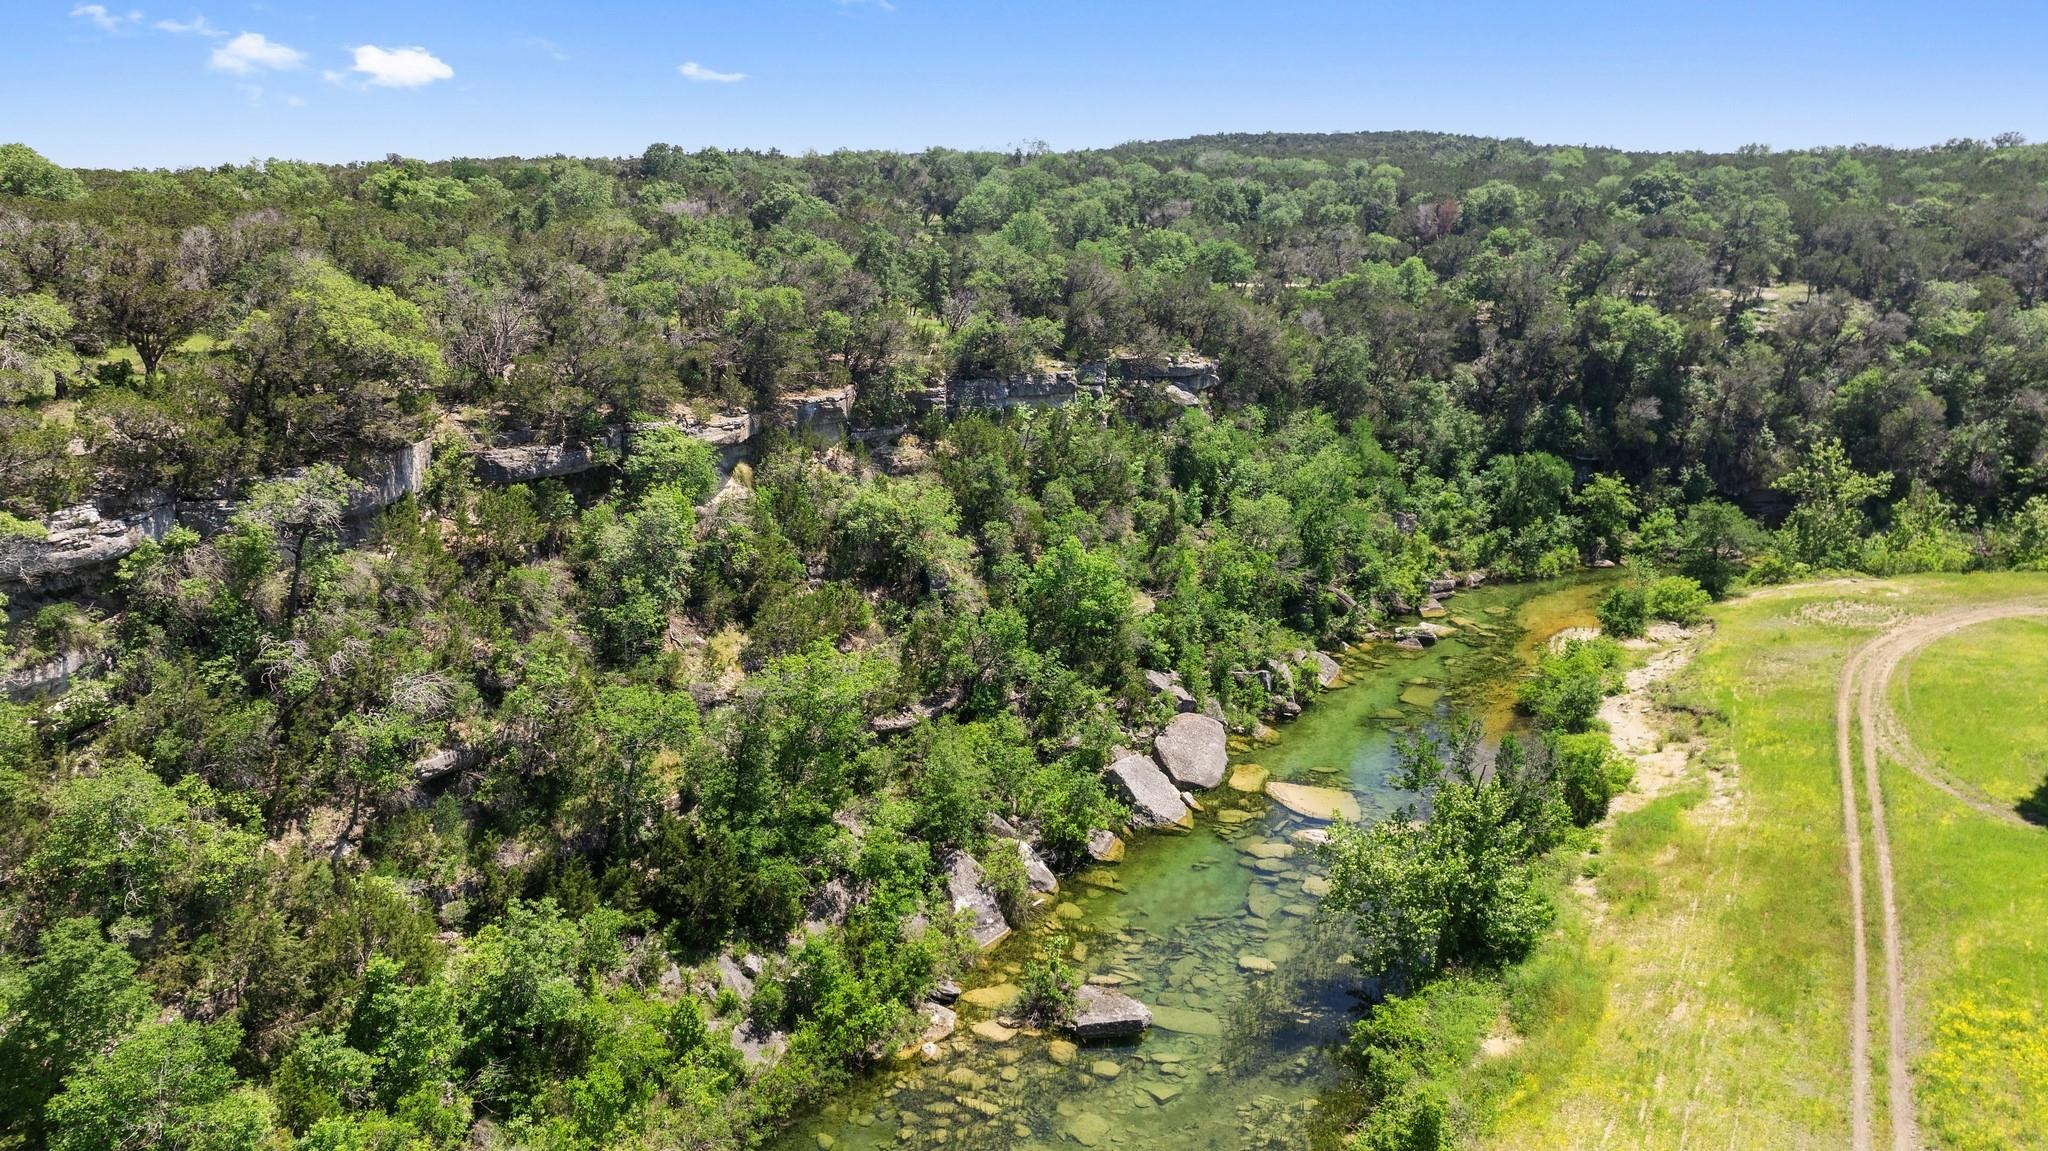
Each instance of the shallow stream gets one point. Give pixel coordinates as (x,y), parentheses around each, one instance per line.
(1215,930)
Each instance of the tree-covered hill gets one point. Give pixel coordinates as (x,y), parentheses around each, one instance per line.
(430,827)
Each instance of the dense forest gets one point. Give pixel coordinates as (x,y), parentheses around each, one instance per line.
(450,824)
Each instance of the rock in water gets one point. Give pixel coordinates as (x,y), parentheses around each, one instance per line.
(1327,669)
(1087,1128)
(1315,802)
(970,893)
(1105,846)
(1155,802)
(1187,1021)
(1194,750)
(1101,1013)
(1248,777)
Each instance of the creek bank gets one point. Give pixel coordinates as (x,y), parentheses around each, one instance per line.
(1212,930)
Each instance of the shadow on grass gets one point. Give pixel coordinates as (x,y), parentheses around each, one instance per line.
(2034,808)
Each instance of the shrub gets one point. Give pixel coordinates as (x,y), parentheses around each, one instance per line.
(1049,984)
(1622,611)
(1565,693)
(1588,772)
(1679,599)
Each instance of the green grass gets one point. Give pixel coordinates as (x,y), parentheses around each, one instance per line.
(1720,910)
(1977,704)
(1974,892)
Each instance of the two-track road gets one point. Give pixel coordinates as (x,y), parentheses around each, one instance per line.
(1862,701)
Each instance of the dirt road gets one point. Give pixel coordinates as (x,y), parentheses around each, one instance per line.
(1864,687)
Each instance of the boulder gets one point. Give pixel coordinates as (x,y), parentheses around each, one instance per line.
(732,978)
(1325,803)
(940,1021)
(1102,1013)
(970,892)
(1168,683)
(1037,873)
(1155,802)
(1195,750)
(1327,669)
(1105,846)
(1248,777)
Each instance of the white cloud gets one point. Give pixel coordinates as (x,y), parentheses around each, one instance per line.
(196,26)
(251,52)
(884,5)
(703,75)
(295,101)
(400,67)
(106,21)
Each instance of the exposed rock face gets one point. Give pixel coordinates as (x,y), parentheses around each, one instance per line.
(939,1022)
(81,543)
(1194,750)
(965,883)
(1155,801)
(522,463)
(1101,1013)
(825,414)
(1050,389)
(51,676)
(1189,373)
(391,477)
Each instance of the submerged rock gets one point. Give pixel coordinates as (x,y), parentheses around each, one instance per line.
(1155,802)
(1101,1013)
(1194,750)
(1186,1021)
(1324,803)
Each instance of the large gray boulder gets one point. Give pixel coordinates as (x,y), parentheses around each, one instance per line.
(1103,1013)
(1155,801)
(1037,873)
(970,892)
(1195,750)
(1327,669)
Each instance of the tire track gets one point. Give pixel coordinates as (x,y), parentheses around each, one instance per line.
(1864,684)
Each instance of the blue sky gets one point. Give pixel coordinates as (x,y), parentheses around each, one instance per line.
(176,82)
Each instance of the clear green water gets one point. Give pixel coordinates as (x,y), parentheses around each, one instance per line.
(1238,1058)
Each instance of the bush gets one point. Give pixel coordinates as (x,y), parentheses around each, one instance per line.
(1049,985)
(1622,611)
(1588,772)
(1564,694)
(1679,599)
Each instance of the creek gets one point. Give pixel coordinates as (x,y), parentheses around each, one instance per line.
(1216,930)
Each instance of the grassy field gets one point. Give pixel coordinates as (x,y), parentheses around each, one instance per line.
(1718,910)
(1973,890)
